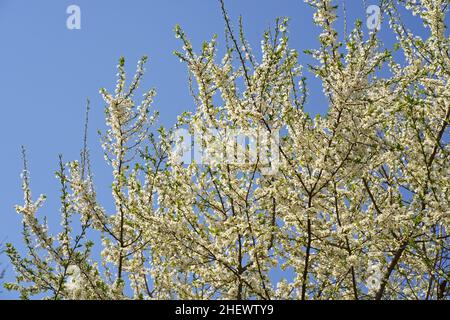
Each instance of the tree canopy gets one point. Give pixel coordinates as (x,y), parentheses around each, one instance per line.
(353,204)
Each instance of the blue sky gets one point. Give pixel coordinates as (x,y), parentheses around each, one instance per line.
(48,71)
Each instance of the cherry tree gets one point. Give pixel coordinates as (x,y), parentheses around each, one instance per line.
(353,204)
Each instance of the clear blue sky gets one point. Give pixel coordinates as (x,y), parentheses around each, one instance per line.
(48,71)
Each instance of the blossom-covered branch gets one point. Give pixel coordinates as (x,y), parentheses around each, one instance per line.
(353,204)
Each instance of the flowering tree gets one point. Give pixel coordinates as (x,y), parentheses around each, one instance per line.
(350,205)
